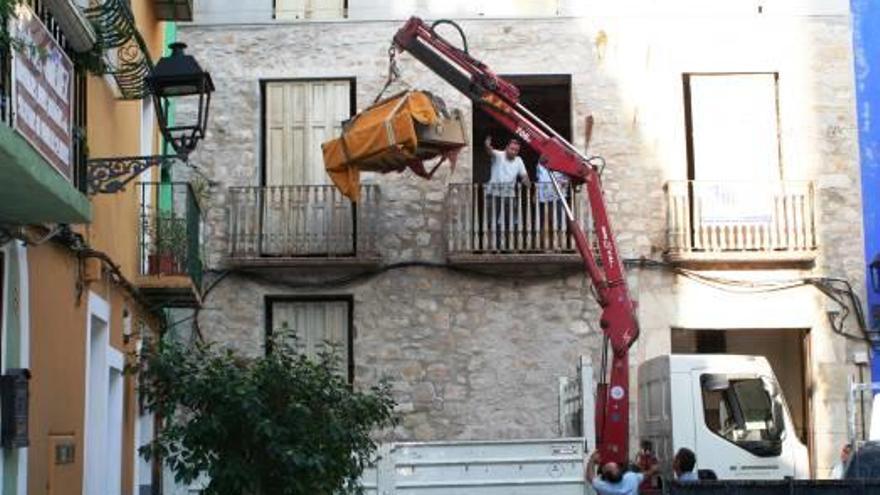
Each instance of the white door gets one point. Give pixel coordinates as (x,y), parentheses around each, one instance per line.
(735,142)
(303,213)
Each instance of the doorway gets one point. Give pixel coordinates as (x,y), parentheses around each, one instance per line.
(787,351)
(546,96)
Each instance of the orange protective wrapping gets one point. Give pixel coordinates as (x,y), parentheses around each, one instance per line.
(382,138)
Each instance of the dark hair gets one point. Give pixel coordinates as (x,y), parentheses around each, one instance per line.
(686,459)
(646,445)
(514,141)
(614,477)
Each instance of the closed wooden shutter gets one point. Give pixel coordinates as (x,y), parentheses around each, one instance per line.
(312,217)
(315,323)
(288,10)
(300,116)
(326,9)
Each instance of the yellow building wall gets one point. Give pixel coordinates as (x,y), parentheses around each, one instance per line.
(59,293)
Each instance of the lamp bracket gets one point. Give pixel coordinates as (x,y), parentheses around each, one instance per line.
(110,175)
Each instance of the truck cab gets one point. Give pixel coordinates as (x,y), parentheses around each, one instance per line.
(728,409)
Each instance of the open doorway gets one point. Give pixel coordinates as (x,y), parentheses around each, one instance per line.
(787,351)
(547,96)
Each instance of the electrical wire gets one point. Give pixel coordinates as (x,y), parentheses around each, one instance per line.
(838,290)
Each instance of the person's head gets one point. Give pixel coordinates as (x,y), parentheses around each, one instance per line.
(684,462)
(646,446)
(512,149)
(846,452)
(611,472)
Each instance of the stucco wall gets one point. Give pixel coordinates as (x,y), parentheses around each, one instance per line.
(478,357)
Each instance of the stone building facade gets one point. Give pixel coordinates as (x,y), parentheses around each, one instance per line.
(474,343)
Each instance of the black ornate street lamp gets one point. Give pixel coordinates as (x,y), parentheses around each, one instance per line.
(176,78)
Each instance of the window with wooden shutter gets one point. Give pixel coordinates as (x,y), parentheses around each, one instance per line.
(316,324)
(300,115)
(291,10)
(307,216)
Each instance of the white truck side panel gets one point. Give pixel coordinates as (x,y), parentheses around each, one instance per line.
(655,420)
(518,467)
(684,407)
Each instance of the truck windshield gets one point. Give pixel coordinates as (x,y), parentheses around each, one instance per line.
(744,411)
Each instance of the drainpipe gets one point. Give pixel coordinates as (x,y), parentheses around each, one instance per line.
(165,193)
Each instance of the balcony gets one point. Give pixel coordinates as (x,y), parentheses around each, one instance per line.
(740,222)
(174,10)
(170,262)
(527,227)
(306,226)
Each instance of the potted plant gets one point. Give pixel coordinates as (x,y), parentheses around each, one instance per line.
(168,244)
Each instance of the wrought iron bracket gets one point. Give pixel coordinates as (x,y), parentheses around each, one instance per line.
(109,175)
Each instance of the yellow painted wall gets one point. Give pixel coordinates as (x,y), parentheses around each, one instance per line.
(59,294)
(114,129)
(58,360)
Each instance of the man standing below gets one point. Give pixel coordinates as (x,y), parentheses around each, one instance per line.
(613,480)
(683,465)
(506,168)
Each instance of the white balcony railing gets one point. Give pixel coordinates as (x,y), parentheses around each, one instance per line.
(301,221)
(517,219)
(760,220)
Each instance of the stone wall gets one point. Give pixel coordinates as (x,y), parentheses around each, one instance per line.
(475,356)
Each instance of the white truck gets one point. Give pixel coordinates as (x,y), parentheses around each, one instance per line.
(728,409)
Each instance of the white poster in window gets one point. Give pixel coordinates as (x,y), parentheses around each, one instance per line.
(734,203)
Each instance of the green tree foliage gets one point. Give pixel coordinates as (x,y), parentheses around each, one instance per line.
(275,425)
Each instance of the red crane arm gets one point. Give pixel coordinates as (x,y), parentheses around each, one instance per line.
(500,99)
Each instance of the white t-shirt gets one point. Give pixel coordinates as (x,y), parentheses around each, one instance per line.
(504,172)
(546,191)
(688,476)
(628,485)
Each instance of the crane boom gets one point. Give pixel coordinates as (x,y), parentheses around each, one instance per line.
(500,100)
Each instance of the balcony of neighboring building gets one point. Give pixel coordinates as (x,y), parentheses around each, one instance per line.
(741,222)
(170,243)
(174,10)
(301,226)
(41,149)
(512,224)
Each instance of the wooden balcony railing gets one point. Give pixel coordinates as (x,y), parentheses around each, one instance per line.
(730,221)
(515,219)
(309,221)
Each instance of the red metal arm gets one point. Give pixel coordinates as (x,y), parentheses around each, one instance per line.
(500,99)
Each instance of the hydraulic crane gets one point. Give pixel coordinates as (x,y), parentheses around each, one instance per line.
(500,100)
